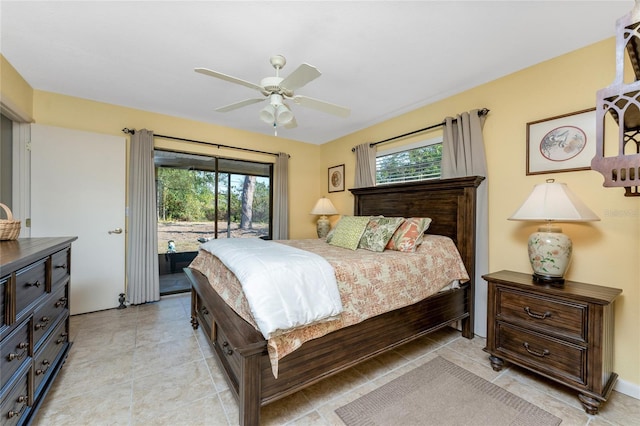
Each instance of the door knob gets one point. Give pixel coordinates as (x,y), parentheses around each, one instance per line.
(116,231)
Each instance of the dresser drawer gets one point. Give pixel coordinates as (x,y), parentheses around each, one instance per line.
(30,285)
(60,267)
(48,313)
(547,355)
(47,356)
(554,316)
(15,404)
(14,350)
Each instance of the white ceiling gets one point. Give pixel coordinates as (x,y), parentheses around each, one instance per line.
(380,58)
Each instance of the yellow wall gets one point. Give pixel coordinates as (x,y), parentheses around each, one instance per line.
(605,252)
(64,111)
(15,93)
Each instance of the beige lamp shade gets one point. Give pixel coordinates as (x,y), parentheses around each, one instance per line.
(323,207)
(552,201)
(549,249)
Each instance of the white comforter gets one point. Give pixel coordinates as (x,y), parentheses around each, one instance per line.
(285,287)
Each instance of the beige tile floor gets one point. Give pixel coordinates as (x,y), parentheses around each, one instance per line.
(145,365)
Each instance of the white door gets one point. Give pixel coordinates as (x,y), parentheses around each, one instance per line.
(78,189)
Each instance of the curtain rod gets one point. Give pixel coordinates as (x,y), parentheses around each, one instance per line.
(483,111)
(217,145)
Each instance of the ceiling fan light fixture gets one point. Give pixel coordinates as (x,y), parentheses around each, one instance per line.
(283,115)
(268,114)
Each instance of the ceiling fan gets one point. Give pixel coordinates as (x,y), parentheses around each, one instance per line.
(278,90)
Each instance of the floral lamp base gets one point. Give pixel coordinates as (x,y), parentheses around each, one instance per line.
(549,254)
(323,226)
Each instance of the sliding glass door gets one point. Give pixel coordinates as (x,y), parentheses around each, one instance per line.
(202,198)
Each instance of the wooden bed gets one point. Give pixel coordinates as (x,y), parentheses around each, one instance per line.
(241,350)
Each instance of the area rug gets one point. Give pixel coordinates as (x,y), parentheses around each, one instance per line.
(441,393)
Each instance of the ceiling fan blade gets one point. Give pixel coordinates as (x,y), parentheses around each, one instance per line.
(228,78)
(299,77)
(323,106)
(237,105)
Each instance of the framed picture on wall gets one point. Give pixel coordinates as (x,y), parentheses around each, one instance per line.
(336,178)
(564,143)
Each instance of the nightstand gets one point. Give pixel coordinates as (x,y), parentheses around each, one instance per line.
(563,333)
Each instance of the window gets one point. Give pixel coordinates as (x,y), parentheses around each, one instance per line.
(201,198)
(418,161)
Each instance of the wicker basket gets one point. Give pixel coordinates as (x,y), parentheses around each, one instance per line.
(9,228)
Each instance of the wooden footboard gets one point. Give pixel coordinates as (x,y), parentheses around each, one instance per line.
(242,351)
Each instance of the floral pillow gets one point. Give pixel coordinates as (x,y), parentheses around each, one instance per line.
(409,234)
(348,231)
(378,232)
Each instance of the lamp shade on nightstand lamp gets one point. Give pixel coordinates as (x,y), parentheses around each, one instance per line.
(323,208)
(550,249)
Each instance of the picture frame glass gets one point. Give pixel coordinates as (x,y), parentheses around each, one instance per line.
(562,143)
(336,178)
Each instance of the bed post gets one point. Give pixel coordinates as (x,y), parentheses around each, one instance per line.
(467,229)
(249,390)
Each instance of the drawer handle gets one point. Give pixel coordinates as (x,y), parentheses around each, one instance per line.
(61,302)
(537,316)
(40,371)
(37,284)
(21,345)
(63,337)
(43,323)
(204,311)
(22,399)
(229,351)
(542,354)
(63,266)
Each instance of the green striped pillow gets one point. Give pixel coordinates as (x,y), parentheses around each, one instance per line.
(348,231)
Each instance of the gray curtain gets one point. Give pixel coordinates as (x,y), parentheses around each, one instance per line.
(365,165)
(143,283)
(281,197)
(463,154)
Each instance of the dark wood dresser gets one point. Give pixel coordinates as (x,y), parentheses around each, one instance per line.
(563,333)
(34,322)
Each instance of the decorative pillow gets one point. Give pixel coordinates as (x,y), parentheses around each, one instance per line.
(331,231)
(408,236)
(330,235)
(348,231)
(378,232)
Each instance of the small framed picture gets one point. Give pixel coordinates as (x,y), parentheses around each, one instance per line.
(336,178)
(564,143)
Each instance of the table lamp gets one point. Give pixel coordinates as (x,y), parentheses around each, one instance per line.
(323,208)
(550,249)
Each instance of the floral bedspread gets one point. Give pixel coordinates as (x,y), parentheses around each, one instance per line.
(370,283)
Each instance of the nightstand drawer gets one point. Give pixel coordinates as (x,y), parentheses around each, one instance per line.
(554,316)
(547,355)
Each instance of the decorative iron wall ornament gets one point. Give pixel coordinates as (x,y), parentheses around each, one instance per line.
(621,101)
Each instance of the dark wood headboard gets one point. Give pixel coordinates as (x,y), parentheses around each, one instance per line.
(450,203)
